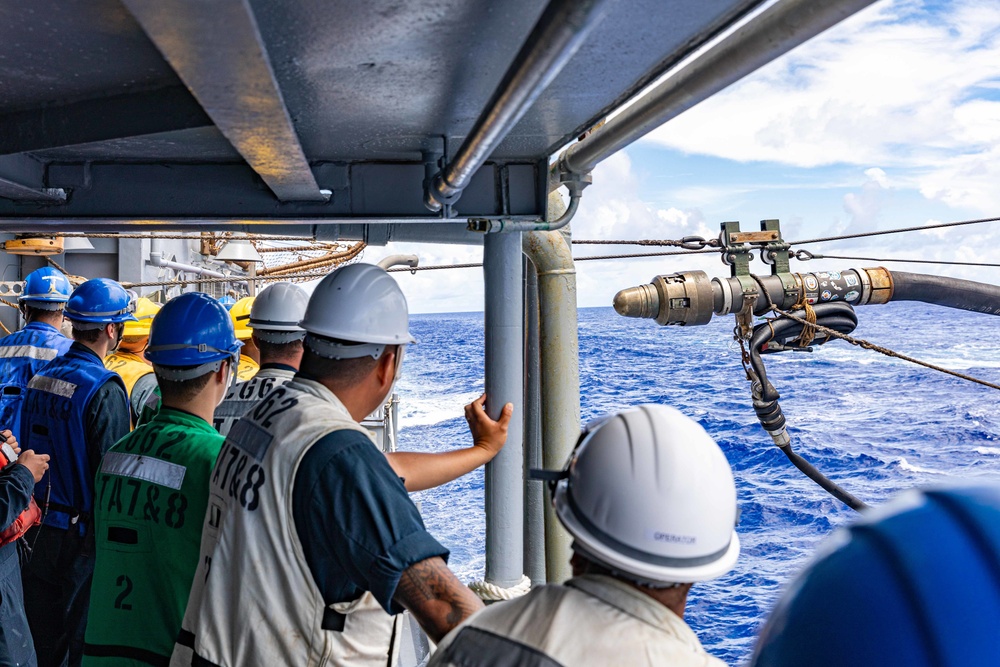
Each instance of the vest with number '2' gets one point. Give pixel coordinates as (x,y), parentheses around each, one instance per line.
(149,503)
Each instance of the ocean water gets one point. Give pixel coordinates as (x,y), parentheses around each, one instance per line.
(873,424)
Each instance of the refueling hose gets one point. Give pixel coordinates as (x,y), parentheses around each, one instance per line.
(942,291)
(773,336)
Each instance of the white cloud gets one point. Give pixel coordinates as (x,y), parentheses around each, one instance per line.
(898,85)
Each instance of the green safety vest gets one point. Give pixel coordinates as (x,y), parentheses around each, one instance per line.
(150,497)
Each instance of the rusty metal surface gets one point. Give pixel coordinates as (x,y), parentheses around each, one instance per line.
(881,285)
(219,54)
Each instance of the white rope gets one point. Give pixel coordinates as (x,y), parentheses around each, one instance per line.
(493,593)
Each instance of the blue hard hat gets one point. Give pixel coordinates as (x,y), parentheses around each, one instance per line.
(46,286)
(194,332)
(100,301)
(916,582)
(227,301)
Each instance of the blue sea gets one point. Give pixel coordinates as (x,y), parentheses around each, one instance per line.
(875,425)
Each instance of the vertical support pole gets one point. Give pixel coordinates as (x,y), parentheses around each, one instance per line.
(505,384)
(534,492)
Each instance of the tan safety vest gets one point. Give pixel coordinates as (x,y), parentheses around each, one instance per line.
(254,601)
(590,621)
(244,395)
(129,365)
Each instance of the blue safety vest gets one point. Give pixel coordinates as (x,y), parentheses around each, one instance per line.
(53,422)
(22,354)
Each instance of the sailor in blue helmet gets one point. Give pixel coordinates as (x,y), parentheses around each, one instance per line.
(24,352)
(915,582)
(166,463)
(227,301)
(74,409)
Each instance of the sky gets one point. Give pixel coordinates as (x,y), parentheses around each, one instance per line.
(890,119)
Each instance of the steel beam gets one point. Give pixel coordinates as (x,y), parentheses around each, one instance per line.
(389,191)
(102,119)
(217,50)
(557,35)
(22,180)
(504,384)
(770,34)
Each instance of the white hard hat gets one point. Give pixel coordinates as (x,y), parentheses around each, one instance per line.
(648,494)
(359,304)
(277,311)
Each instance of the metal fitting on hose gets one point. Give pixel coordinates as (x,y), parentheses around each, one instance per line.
(679,298)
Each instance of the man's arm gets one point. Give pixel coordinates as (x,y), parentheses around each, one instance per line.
(435,597)
(426,470)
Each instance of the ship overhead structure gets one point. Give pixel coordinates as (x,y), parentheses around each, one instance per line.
(364,123)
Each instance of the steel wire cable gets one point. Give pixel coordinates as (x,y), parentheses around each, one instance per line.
(804,256)
(900,230)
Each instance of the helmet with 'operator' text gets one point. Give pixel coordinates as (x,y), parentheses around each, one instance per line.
(359,304)
(192,335)
(914,582)
(240,315)
(277,311)
(46,289)
(650,496)
(98,302)
(145,310)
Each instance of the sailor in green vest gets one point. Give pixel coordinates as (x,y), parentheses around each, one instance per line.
(152,489)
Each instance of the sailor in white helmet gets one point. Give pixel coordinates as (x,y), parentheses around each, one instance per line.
(650,501)
(274,319)
(311,546)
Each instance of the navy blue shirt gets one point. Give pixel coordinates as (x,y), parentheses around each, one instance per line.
(358,527)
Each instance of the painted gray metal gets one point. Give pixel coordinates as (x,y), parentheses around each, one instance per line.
(371,83)
(218,52)
(504,307)
(534,491)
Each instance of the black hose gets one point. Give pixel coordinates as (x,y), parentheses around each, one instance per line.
(828,485)
(836,315)
(942,291)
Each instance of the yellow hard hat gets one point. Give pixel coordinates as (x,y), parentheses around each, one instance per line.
(145,310)
(240,312)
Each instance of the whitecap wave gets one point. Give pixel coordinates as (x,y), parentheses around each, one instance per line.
(987,451)
(906,465)
(416,410)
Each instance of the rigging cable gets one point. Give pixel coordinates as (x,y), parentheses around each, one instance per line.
(805,255)
(895,231)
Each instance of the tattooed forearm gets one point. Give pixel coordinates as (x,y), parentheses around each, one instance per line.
(435,597)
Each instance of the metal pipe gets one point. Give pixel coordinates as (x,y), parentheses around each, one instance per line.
(557,35)
(552,257)
(255,225)
(504,384)
(399,260)
(521,226)
(156,259)
(534,494)
(773,32)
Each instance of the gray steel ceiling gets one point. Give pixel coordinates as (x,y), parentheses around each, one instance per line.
(363,80)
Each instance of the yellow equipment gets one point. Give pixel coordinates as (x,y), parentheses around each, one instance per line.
(240,312)
(145,310)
